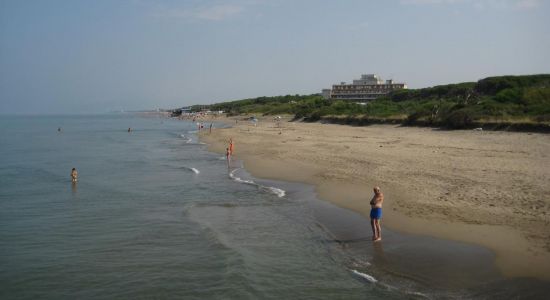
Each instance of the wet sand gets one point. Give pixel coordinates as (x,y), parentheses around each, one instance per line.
(417,266)
(487,188)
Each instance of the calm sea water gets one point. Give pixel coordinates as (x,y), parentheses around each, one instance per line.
(155,215)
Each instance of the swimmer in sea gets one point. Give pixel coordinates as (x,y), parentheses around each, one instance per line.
(376,214)
(74,175)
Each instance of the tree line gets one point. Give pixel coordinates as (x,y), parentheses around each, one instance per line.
(502,99)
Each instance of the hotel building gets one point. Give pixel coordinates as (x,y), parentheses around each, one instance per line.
(368,87)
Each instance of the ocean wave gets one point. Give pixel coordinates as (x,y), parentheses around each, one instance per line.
(188,207)
(238,179)
(388,287)
(418,295)
(360,263)
(364,276)
(188,140)
(277,191)
(194,170)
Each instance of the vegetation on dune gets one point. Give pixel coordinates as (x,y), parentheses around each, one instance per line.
(503,99)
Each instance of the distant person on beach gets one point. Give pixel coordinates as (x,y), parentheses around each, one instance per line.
(228,156)
(376,214)
(231,146)
(210,128)
(129,129)
(74,175)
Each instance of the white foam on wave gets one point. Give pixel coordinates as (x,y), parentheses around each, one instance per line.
(418,294)
(360,264)
(238,179)
(371,279)
(194,170)
(364,276)
(187,139)
(277,191)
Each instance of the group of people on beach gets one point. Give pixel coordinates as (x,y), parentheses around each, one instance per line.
(200,126)
(375,202)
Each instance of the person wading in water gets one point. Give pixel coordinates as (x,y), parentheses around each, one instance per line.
(376,214)
(74,175)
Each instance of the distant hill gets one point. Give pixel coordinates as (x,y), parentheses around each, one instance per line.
(519,102)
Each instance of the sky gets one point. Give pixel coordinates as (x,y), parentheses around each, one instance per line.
(62,57)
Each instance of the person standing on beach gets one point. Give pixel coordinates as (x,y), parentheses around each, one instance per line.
(231,146)
(376,214)
(228,156)
(210,128)
(74,175)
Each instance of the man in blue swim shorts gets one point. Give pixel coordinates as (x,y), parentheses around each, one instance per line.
(376,214)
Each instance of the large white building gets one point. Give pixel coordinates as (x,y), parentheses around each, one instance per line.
(368,87)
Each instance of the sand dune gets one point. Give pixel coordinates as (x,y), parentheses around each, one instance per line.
(489,188)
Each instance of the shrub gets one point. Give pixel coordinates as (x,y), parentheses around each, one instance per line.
(414,117)
(493,85)
(536,96)
(458,119)
(509,95)
(543,118)
(452,105)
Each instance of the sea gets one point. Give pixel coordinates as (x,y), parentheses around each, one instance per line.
(155,215)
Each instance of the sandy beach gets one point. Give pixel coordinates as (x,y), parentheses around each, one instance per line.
(480,187)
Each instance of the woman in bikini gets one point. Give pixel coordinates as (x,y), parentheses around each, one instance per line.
(74,175)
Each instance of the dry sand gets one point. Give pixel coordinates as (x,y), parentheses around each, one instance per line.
(487,188)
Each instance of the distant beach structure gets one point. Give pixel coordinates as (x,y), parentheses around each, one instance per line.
(368,87)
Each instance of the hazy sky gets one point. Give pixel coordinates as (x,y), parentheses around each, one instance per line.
(96,56)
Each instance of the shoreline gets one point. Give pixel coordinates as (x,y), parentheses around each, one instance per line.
(344,170)
(420,264)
